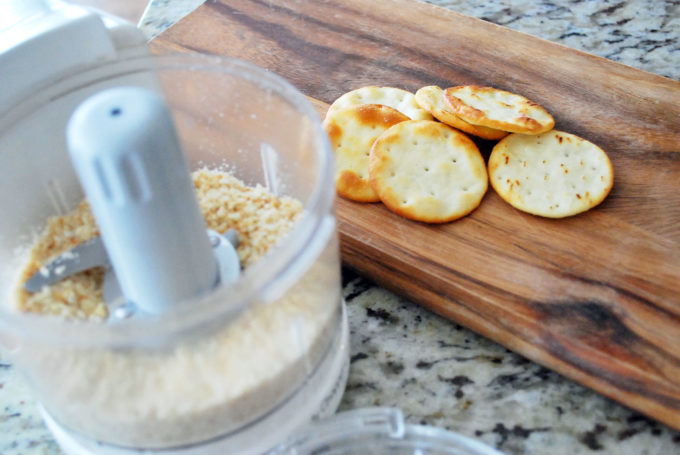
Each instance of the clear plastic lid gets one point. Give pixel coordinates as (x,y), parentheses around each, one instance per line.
(377,431)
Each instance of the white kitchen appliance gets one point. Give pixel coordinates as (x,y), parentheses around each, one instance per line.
(224,361)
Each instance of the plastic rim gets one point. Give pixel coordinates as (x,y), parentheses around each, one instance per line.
(378,431)
(260,280)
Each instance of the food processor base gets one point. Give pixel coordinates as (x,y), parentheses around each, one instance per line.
(318,397)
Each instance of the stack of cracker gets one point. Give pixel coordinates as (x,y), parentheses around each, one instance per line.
(412,152)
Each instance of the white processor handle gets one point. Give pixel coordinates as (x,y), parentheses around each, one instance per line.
(125,150)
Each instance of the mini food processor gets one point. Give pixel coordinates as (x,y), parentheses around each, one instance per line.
(197,351)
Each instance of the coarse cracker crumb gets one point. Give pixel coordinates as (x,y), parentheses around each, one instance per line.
(202,383)
(260,218)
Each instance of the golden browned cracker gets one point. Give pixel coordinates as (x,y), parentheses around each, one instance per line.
(427,171)
(494,108)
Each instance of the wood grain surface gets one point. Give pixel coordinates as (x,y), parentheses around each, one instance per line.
(595,297)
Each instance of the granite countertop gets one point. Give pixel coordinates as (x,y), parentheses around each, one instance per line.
(437,372)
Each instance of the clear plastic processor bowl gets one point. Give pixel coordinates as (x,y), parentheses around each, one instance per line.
(215,366)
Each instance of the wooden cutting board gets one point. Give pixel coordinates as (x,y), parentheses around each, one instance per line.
(595,297)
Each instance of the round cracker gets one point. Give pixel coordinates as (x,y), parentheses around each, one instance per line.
(427,171)
(352,131)
(554,174)
(494,108)
(399,99)
(432,98)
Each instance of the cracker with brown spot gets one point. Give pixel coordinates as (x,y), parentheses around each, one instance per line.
(494,108)
(554,174)
(427,171)
(352,131)
(401,100)
(432,98)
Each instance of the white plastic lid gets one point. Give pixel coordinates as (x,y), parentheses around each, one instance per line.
(378,431)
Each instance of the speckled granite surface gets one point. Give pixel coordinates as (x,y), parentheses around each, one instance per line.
(437,372)
(440,373)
